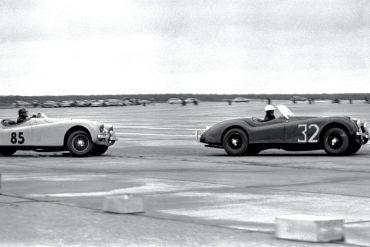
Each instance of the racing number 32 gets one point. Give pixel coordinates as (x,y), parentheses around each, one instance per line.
(304,136)
(14,139)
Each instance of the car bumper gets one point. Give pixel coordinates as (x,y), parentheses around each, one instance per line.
(363,134)
(107,138)
(198,135)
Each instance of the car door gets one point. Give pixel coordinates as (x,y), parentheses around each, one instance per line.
(269,132)
(302,130)
(47,133)
(16,135)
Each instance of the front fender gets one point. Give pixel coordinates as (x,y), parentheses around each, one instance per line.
(91,126)
(342,122)
(215,134)
(105,136)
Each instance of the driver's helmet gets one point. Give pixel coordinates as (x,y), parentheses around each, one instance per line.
(269,108)
(22,112)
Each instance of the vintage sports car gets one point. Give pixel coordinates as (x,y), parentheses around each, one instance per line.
(79,136)
(337,135)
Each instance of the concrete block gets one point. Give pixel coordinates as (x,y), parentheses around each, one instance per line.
(309,228)
(358,233)
(123,204)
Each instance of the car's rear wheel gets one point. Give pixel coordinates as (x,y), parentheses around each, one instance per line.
(99,150)
(79,143)
(336,141)
(7,151)
(235,142)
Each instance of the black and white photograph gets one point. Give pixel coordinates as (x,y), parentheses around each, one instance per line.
(185,123)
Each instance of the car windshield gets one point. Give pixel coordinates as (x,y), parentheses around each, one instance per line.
(41,115)
(285,111)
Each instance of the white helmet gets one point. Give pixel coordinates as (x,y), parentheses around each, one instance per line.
(269,108)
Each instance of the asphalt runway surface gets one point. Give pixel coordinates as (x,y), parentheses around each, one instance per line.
(193,195)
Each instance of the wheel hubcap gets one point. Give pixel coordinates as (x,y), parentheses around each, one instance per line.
(335,142)
(80,143)
(235,141)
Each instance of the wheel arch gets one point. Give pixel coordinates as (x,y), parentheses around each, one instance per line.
(72,129)
(332,125)
(234,127)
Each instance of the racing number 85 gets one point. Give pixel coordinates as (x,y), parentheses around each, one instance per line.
(14,139)
(306,127)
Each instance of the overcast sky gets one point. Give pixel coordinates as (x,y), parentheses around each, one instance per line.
(53,47)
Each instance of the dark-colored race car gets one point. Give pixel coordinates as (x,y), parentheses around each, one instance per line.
(337,135)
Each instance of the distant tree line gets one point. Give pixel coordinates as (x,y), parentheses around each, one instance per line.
(4,100)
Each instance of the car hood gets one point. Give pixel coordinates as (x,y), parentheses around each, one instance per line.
(54,120)
(58,120)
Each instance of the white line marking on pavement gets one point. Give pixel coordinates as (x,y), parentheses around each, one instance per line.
(48,177)
(150,128)
(148,187)
(153,134)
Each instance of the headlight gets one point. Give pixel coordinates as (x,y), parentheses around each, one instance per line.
(358,122)
(101,128)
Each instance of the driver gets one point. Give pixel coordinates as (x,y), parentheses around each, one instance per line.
(23,115)
(269,109)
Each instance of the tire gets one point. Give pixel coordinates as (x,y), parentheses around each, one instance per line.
(354,145)
(8,151)
(365,140)
(235,142)
(99,150)
(252,151)
(336,141)
(353,149)
(79,143)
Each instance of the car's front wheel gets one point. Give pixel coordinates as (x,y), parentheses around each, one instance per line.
(354,145)
(99,150)
(235,142)
(7,151)
(251,151)
(336,141)
(79,143)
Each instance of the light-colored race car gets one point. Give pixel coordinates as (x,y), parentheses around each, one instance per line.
(240,99)
(174,101)
(80,137)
